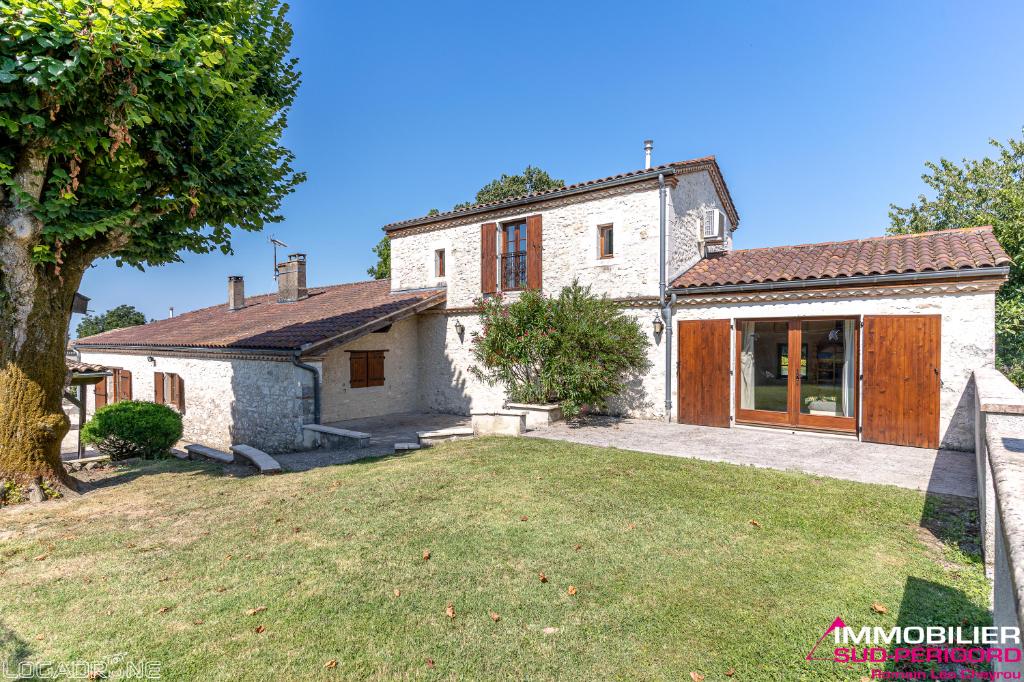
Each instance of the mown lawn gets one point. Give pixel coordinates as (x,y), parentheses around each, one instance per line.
(670,575)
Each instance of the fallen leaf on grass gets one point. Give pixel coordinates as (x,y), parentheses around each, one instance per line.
(426,554)
(86,580)
(253,612)
(221,589)
(397,593)
(165,609)
(164,579)
(296,529)
(523,519)
(450,611)
(538,478)
(878,608)
(572,590)
(696,677)
(430,662)
(730,672)
(197,622)
(131,544)
(228,556)
(330,664)
(543,578)
(278,520)
(41,557)
(494,617)
(752,522)
(631,526)
(259,629)
(40,637)
(579,547)
(337,483)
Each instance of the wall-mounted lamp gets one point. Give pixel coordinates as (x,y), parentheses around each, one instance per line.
(149,358)
(459,329)
(659,326)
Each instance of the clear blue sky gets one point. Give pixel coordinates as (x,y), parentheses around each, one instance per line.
(820,114)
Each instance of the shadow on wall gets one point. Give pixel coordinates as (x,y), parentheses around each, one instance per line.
(959,435)
(634,400)
(268,403)
(443,384)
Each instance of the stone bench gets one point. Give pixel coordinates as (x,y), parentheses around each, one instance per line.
(202,451)
(266,463)
(539,416)
(317,435)
(428,438)
(499,422)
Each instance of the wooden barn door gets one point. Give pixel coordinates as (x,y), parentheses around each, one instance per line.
(902,355)
(703,391)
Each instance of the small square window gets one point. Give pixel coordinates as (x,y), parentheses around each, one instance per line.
(439,263)
(607,241)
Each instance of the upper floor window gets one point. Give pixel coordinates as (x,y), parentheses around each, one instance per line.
(439,263)
(607,245)
(513,256)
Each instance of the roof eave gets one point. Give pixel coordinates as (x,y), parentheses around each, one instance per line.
(1002,272)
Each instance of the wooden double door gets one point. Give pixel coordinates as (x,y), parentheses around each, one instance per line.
(805,373)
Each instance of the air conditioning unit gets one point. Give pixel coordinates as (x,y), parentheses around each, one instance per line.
(715,225)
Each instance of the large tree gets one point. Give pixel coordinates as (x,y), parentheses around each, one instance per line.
(115,318)
(985,192)
(508,186)
(131,129)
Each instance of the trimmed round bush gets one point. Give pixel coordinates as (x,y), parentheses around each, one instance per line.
(131,428)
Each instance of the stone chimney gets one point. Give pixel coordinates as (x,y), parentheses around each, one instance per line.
(291,279)
(236,293)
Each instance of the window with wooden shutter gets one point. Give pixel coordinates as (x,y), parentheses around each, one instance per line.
(489,258)
(158,388)
(115,386)
(179,393)
(375,368)
(126,385)
(101,393)
(357,369)
(534,252)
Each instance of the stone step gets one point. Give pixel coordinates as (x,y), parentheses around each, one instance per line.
(428,438)
(266,463)
(330,437)
(179,454)
(404,447)
(203,451)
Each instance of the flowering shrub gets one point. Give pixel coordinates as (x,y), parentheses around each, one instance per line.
(574,349)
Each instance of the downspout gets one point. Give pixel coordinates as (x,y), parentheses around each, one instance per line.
(316,384)
(666,307)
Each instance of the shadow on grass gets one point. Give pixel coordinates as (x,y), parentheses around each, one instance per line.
(148,468)
(14,650)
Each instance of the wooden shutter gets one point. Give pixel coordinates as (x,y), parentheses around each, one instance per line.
(703,384)
(180,392)
(115,386)
(357,369)
(534,252)
(101,393)
(488,258)
(902,360)
(375,368)
(126,385)
(158,388)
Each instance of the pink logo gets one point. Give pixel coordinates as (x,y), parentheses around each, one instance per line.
(837,623)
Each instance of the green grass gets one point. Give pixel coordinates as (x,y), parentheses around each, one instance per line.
(671,576)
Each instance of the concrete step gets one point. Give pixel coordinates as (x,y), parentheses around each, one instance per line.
(330,437)
(179,454)
(203,451)
(428,438)
(404,447)
(266,463)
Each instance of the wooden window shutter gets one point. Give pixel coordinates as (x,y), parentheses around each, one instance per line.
(357,369)
(126,385)
(534,252)
(488,258)
(101,393)
(375,368)
(115,386)
(180,392)
(158,388)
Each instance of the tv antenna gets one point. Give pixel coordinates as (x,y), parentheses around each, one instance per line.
(276,243)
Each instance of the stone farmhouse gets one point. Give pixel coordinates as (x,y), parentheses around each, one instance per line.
(874,338)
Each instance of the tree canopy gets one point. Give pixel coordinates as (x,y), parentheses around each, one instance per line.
(115,318)
(132,129)
(508,186)
(985,192)
(382,269)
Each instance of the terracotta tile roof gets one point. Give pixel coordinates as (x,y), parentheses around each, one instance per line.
(266,325)
(974,247)
(710,160)
(84,367)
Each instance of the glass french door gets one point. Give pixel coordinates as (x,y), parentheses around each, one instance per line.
(797,372)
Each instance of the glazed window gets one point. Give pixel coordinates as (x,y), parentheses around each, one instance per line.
(439,263)
(513,256)
(607,245)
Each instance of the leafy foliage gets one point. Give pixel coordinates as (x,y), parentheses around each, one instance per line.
(116,318)
(986,192)
(382,269)
(161,121)
(576,349)
(508,186)
(130,428)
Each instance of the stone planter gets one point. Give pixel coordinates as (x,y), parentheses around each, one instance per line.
(539,416)
(499,423)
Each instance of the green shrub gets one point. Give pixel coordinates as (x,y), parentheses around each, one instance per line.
(575,349)
(133,429)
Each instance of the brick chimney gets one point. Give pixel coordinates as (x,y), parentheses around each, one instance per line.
(236,293)
(291,279)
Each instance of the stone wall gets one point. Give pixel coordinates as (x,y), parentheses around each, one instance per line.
(400,392)
(227,401)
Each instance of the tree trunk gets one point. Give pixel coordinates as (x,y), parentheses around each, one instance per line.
(36,310)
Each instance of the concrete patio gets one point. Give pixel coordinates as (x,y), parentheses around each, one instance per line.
(934,471)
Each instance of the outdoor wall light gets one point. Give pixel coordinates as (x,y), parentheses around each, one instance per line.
(149,358)
(459,329)
(659,326)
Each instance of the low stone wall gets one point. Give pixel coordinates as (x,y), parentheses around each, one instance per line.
(499,423)
(539,416)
